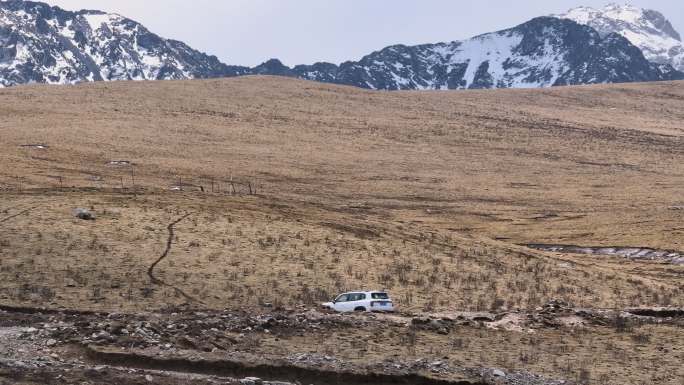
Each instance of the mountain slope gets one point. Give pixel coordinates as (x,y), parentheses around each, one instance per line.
(647,29)
(44,44)
(543,52)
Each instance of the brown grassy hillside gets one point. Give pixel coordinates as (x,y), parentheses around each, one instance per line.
(423,193)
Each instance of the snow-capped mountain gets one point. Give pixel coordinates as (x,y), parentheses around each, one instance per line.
(543,52)
(647,29)
(44,44)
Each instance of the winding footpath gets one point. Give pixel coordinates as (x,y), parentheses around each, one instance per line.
(167,250)
(3,220)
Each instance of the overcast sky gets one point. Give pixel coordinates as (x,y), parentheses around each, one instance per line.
(248,32)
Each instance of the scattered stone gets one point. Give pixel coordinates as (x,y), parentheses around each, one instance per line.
(556,306)
(103,336)
(633,253)
(252,381)
(84,214)
(36,146)
(440,326)
(119,163)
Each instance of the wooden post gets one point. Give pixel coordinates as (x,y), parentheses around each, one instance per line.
(133,176)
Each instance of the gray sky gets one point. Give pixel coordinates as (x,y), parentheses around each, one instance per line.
(248,32)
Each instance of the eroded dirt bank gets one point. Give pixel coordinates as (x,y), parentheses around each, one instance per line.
(634,253)
(278,347)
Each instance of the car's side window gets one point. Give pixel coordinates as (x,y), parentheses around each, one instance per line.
(357,297)
(342,298)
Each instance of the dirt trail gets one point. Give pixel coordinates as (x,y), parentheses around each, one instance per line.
(3,220)
(267,371)
(169,245)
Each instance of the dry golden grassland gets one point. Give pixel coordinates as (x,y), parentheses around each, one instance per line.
(426,194)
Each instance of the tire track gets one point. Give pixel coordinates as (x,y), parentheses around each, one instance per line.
(169,245)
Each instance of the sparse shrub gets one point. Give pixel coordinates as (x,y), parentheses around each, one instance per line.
(497,304)
(641,338)
(584,376)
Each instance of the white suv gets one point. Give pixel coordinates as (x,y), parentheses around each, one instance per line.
(376,301)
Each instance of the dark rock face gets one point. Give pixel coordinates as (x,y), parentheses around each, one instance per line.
(44,44)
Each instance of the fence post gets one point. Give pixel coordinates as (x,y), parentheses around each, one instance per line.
(133,176)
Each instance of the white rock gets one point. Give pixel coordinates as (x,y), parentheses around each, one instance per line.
(251,381)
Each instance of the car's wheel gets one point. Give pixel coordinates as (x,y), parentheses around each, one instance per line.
(360,308)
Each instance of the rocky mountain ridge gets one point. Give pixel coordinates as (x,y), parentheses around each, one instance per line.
(543,52)
(44,44)
(647,29)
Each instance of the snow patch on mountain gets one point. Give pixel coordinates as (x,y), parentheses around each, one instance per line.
(44,44)
(647,29)
(543,52)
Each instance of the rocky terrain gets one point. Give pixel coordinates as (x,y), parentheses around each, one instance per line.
(634,253)
(210,347)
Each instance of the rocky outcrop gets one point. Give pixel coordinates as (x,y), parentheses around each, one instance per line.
(634,253)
